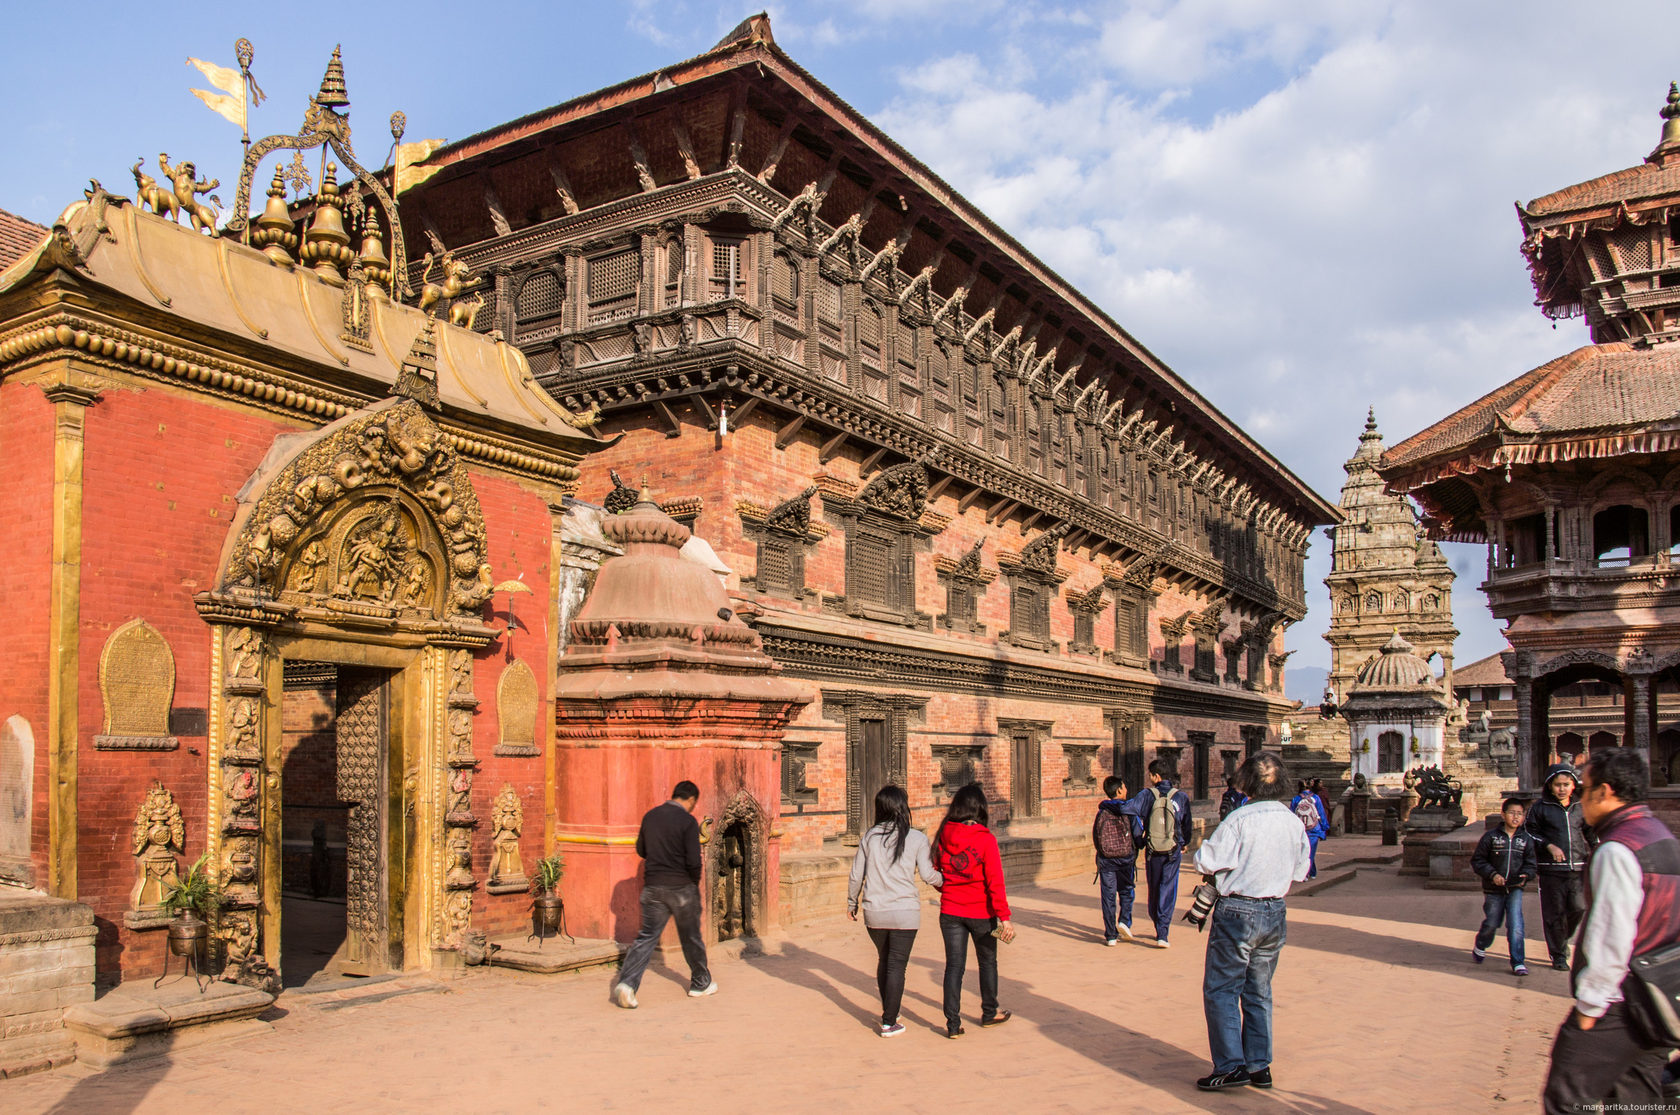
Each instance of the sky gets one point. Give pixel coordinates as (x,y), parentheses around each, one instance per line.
(1303,206)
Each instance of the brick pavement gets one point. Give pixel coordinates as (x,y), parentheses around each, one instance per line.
(1379,1010)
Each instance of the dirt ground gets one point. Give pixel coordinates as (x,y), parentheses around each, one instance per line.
(1378,1009)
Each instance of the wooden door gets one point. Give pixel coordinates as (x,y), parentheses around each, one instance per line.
(875,771)
(1022,773)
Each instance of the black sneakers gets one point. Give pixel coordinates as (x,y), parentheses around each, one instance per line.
(1261,1079)
(1236,1078)
(998,1019)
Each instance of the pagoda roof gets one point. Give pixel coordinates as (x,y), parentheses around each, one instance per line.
(1482,672)
(18,237)
(1600,401)
(751,52)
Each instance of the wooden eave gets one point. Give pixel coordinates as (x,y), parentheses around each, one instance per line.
(826,117)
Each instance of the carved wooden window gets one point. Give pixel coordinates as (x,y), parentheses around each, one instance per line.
(1128,726)
(881,568)
(1253,737)
(828,303)
(1029,614)
(1201,748)
(1233,660)
(539,296)
(612,285)
(956,765)
(1033,579)
(783,535)
(1025,740)
(939,409)
(961,611)
(1082,768)
(727,276)
(869,336)
(877,746)
(965,580)
(1205,668)
(798,763)
(674,256)
(1172,632)
(1131,626)
(1084,631)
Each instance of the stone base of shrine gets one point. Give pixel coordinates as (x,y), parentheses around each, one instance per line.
(135,1021)
(813,887)
(554,954)
(46,965)
(1449,857)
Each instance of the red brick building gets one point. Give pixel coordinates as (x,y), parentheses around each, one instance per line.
(998,536)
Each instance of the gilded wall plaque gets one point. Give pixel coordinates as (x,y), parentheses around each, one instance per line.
(516,710)
(137,685)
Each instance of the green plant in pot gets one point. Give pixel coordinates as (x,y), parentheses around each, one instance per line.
(194,899)
(548,907)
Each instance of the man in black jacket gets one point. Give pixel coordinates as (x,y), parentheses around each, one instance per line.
(1561,846)
(1504,858)
(669,841)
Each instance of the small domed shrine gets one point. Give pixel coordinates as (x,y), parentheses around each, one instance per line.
(1396,714)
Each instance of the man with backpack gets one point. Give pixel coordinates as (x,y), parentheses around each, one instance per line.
(1164,825)
(1112,835)
(1309,807)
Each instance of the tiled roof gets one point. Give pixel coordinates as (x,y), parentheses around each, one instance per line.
(1483,671)
(1630,185)
(18,238)
(1597,401)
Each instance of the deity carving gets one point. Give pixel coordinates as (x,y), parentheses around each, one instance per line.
(244,653)
(159,835)
(459,875)
(243,793)
(900,491)
(460,674)
(370,571)
(242,731)
(307,569)
(507,820)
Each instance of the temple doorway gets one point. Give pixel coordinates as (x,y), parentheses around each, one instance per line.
(334,886)
(735,855)
(730,898)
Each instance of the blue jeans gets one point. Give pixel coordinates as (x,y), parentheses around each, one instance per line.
(1117,878)
(1160,869)
(660,905)
(1507,908)
(1245,936)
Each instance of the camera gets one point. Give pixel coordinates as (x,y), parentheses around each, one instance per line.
(1201,906)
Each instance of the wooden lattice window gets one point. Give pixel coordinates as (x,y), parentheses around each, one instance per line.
(1391,753)
(539,297)
(784,279)
(612,285)
(798,760)
(828,301)
(1131,626)
(1084,630)
(1205,668)
(727,276)
(1029,613)
(869,336)
(674,254)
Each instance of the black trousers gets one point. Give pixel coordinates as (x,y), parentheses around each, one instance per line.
(1562,906)
(1606,1064)
(892,951)
(957,933)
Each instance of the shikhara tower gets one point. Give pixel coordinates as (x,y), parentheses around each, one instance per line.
(1385,577)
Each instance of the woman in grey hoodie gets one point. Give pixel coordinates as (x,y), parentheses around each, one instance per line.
(889,857)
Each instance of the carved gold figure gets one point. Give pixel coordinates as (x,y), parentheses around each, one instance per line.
(160,199)
(507,819)
(159,834)
(457,276)
(370,572)
(184,177)
(465,313)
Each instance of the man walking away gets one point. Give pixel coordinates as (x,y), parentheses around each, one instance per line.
(669,841)
(1232,798)
(1111,834)
(1633,907)
(1561,848)
(1253,857)
(1504,858)
(1164,816)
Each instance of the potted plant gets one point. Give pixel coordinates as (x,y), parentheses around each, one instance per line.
(194,899)
(548,906)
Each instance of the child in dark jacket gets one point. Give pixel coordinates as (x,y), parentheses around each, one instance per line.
(1504,858)
(1561,844)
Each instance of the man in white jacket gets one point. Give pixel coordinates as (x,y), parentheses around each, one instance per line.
(1257,851)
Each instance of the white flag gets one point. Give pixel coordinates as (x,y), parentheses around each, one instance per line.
(230,102)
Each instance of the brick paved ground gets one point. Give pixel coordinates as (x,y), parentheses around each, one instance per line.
(1379,1010)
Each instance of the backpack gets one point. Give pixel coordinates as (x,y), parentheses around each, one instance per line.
(1163,824)
(1307,811)
(1114,836)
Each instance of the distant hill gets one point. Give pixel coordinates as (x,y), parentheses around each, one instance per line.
(1305,683)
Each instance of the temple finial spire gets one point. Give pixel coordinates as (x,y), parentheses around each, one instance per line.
(333,94)
(1670,143)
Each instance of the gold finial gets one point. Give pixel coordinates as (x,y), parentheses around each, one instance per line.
(1671,117)
(275,232)
(326,246)
(373,259)
(333,93)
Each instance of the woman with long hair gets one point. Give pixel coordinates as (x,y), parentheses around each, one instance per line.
(889,858)
(972,905)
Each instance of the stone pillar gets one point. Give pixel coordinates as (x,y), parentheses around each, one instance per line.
(1638,704)
(1527,776)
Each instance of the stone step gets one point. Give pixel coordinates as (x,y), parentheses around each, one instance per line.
(135,1021)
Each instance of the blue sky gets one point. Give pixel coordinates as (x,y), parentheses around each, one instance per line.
(1303,206)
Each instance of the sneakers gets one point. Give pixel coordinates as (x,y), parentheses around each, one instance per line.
(1219,1081)
(625,996)
(1161,942)
(700,993)
(1112,941)
(892,1031)
(1477,955)
(1126,933)
(1560,965)
(998,1019)
(954,1031)
(1261,1079)
(1519,969)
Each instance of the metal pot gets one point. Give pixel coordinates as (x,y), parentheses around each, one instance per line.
(549,907)
(186,934)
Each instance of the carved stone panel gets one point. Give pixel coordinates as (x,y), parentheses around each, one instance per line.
(17,794)
(159,836)
(507,820)
(516,710)
(137,685)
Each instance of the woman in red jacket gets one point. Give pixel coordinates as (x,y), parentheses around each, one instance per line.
(971,905)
